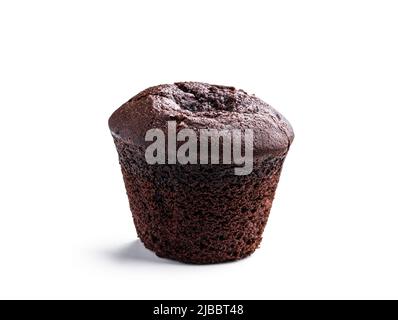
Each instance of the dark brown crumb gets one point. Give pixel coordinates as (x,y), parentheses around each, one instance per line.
(198,213)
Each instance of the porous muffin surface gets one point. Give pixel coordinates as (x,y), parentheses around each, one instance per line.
(198,213)
(196,105)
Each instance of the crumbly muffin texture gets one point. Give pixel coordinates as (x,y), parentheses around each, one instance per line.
(198,213)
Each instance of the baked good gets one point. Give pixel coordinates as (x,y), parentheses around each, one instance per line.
(197,212)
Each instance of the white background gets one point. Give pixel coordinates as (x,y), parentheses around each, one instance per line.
(331,67)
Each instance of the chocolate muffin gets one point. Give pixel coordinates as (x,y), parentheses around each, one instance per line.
(199,212)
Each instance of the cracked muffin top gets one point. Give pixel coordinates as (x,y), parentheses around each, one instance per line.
(196,105)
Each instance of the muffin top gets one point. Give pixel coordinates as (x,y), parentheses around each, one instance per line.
(196,106)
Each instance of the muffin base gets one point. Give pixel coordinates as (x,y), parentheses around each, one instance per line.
(198,214)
